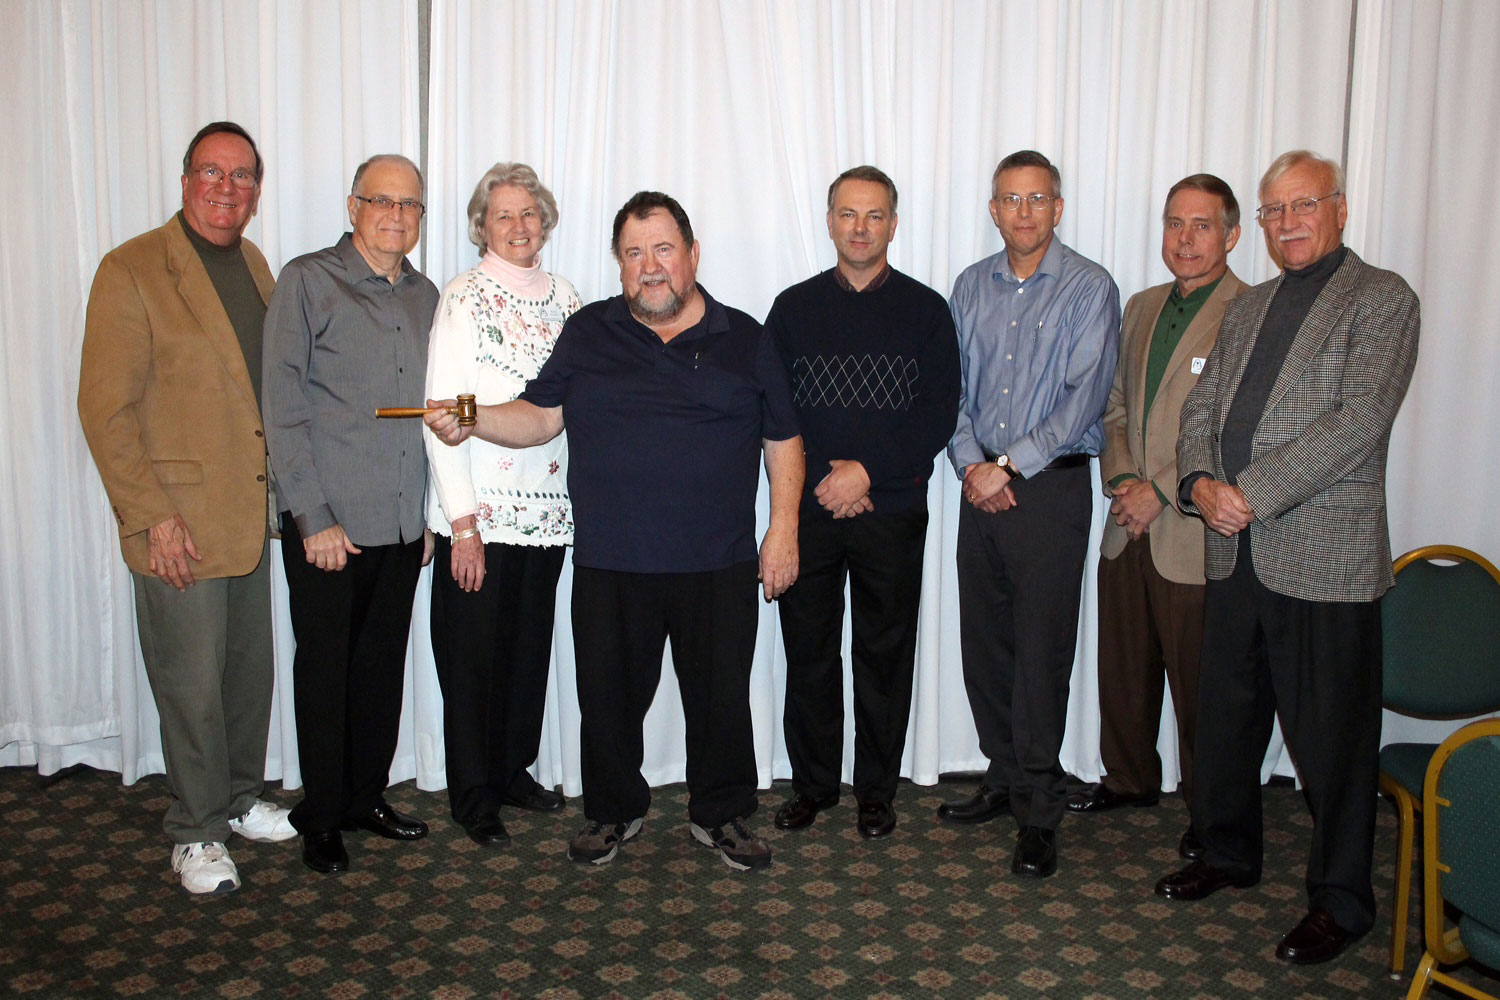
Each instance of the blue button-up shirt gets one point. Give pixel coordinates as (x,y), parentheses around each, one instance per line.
(1038,359)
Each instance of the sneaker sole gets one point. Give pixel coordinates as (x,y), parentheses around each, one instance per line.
(631,829)
(703,837)
(224,887)
(263,838)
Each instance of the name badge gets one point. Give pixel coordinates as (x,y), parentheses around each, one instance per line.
(1197,366)
(552,314)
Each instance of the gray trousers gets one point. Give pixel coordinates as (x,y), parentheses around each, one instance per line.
(209,660)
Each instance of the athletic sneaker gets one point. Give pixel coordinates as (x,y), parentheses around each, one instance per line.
(598,843)
(205,868)
(738,847)
(265,822)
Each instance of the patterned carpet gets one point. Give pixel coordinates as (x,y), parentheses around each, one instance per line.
(89,908)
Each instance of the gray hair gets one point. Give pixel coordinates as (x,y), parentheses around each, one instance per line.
(359,173)
(523,177)
(1027,158)
(1295,158)
(865,173)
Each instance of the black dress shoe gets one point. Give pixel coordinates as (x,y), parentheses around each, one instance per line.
(1190,848)
(487,830)
(800,810)
(324,852)
(984,805)
(1101,798)
(876,819)
(1036,852)
(1201,879)
(1317,938)
(537,799)
(389,824)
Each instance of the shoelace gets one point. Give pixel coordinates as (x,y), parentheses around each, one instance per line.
(210,852)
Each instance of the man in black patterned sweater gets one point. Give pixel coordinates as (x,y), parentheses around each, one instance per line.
(874,366)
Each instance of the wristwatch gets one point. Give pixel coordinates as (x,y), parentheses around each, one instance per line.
(1005,463)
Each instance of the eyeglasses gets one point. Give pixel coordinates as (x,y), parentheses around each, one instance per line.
(1012,202)
(385,204)
(1302,206)
(214,175)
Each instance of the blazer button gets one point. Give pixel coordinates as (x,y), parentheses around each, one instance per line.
(260,434)
(260,479)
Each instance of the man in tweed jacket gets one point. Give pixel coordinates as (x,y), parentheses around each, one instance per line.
(1283,453)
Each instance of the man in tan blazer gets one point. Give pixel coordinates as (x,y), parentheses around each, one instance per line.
(168,394)
(1151,576)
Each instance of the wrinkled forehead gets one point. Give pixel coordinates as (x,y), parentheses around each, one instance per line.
(392,178)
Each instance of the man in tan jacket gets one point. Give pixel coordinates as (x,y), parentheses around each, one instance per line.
(1151,574)
(168,395)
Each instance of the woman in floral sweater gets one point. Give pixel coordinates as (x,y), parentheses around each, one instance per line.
(501,515)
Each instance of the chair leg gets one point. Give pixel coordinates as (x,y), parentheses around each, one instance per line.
(1422,978)
(1405,836)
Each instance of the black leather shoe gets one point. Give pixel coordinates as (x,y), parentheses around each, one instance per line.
(487,830)
(389,824)
(1317,938)
(1190,848)
(1036,852)
(538,799)
(800,810)
(876,819)
(1199,880)
(324,852)
(1101,798)
(984,805)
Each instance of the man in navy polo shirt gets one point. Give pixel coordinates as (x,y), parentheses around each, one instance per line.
(670,398)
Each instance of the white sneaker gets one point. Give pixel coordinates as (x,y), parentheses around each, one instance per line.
(205,868)
(264,822)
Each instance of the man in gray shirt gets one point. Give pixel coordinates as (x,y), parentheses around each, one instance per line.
(346,332)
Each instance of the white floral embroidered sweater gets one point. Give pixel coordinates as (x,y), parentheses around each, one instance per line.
(488,340)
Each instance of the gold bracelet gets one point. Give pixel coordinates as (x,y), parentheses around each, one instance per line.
(459,536)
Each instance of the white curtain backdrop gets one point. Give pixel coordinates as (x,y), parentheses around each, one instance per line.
(744,111)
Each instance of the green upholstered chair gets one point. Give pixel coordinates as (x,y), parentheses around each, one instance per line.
(1461,857)
(1441,627)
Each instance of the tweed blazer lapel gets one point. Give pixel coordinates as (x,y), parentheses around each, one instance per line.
(197,290)
(1325,312)
(1246,333)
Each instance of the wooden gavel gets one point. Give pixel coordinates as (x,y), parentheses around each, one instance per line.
(467,410)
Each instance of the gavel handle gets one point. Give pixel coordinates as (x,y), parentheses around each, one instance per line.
(412,411)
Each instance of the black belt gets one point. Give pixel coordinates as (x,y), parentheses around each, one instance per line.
(1060,462)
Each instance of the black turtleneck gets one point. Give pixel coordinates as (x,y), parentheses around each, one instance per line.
(1294,300)
(238,295)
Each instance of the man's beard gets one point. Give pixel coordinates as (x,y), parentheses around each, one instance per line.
(664,313)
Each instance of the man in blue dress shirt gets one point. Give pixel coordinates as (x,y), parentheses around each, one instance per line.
(1038,329)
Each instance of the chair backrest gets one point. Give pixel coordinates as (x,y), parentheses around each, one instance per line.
(1441,634)
(1464,782)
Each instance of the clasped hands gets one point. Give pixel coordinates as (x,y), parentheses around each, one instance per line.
(987,487)
(1222,507)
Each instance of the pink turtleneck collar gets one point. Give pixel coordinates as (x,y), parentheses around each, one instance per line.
(528,282)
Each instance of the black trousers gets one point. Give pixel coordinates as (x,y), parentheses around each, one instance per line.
(621,623)
(1150,628)
(1318,664)
(351,628)
(881,557)
(1020,576)
(492,648)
